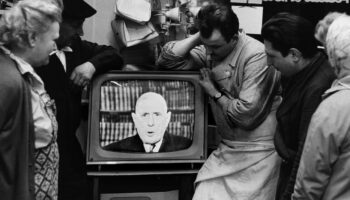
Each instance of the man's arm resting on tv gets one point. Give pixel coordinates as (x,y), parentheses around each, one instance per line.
(83,73)
(186,54)
(103,57)
(99,58)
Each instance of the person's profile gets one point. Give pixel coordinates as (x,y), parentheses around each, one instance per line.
(151,119)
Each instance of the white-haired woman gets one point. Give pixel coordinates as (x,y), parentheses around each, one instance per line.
(324,167)
(28,148)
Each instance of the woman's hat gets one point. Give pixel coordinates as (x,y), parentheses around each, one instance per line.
(77,9)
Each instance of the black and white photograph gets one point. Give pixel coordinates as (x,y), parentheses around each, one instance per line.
(174,99)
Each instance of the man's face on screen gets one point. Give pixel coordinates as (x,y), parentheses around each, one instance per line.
(151,118)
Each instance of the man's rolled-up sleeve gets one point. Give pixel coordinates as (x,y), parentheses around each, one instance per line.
(259,86)
(103,57)
(193,60)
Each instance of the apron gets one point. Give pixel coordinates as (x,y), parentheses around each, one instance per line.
(46,161)
(239,170)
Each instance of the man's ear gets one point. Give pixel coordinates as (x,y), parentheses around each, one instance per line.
(134,117)
(234,40)
(168,117)
(235,37)
(136,121)
(296,54)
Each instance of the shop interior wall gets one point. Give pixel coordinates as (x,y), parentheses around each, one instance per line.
(98,28)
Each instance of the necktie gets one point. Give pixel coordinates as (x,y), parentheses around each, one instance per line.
(152,148)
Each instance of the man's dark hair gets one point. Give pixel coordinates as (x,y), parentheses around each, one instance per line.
(286,31)
(217,15)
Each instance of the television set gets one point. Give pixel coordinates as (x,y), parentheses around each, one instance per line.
(169,195)
(113,98)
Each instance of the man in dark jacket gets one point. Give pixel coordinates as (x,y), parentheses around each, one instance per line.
(135,144)
(292,49)
(70,69)
(151,119)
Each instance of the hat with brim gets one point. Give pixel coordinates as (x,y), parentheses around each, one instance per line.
(77,9)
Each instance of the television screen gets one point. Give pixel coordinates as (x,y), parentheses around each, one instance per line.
(140,116)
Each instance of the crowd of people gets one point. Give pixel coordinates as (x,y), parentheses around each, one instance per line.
(45,66)
(281,105)
(269,101)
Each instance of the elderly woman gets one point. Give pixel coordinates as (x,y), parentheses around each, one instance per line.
(323,25)
(324,167)
(28,148)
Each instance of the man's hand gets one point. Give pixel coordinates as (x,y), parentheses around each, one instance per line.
(82,74)
(207,83)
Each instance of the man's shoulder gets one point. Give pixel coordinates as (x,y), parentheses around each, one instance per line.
(10,76)
(322,77)
(78,44)
(252,45)
(333,113)
(124,144)
(181,138)
(179,141)
(174,143)
(325,70)
(336,102)
(249,49)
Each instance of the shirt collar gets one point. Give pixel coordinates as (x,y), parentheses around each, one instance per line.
(24,68)
(337,85)
(67,49)
(148,147)
(232,57)
(64,49)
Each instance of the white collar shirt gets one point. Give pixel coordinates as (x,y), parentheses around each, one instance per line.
(149,147)
(62,56)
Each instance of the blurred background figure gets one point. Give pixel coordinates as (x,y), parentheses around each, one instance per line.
(323,25)
(70,69)
(324,166)
(28,128)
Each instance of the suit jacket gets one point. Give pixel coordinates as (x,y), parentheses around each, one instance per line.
(135,144)
(67,97)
